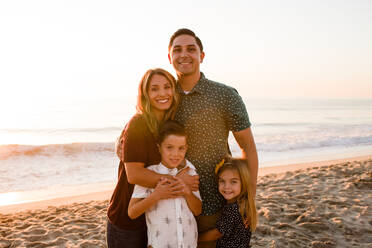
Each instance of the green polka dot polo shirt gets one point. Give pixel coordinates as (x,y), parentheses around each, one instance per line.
(209,111)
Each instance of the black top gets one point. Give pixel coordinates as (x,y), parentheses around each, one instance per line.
(231,225)
(138,145)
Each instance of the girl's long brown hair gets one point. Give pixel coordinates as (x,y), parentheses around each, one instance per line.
(143,101)
(245,200)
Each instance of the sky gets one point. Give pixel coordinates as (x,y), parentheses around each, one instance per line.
(265,49)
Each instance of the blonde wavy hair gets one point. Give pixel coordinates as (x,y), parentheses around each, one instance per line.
(245,200)
(144,106)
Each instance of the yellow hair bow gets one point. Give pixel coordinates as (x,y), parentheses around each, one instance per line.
(218,166)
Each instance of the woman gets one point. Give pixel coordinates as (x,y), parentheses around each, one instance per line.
(157,101)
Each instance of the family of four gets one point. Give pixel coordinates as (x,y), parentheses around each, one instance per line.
(177,185)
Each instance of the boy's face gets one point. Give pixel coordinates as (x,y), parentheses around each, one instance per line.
(185,55)
(173,150)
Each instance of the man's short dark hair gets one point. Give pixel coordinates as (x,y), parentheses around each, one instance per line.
(186,31)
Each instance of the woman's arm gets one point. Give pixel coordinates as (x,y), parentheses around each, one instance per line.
(209,235)
(138,174)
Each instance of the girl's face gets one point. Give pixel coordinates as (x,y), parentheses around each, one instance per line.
(229,185)
(160,94)
(173,150)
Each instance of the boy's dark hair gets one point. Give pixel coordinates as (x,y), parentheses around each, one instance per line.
(187,32)
(170,127)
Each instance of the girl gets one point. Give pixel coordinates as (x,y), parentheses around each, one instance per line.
(136,148)
(238,217)
(170,222)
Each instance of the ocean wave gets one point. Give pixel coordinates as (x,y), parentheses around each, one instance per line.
(287,143)
(61,130)
(8,151)
(284,124)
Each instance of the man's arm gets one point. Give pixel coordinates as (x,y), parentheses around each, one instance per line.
(245,140)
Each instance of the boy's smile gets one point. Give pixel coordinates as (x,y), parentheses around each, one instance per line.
(173,150)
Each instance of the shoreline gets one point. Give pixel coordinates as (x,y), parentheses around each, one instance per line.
(41,199)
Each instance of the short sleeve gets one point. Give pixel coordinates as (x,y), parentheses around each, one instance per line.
(135,141)
(197,194)
(193,172)
(140,192)
(236,111)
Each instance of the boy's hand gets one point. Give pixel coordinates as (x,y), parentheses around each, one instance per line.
(191,181)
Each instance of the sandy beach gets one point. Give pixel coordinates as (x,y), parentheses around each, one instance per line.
(322,204)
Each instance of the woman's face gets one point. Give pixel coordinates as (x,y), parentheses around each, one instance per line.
(160,93)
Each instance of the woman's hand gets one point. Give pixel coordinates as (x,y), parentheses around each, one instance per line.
(185,189)
(168,188)
(191,181)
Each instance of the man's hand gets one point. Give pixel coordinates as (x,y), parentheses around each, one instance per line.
(119,146)
(191,181)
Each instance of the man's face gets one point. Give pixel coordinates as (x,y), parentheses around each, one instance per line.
(185,55)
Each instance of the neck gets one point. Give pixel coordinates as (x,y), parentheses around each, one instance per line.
(159,115)
(232,200)
(188,82)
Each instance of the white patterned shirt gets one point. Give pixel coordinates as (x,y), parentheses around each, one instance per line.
(170,222)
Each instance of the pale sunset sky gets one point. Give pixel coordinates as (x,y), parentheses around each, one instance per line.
(266,49)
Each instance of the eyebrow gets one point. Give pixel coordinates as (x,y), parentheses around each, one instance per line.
(190,45)
(234,178)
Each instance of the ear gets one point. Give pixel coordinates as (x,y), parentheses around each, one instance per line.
(202,57)
(158,147)
(169,58)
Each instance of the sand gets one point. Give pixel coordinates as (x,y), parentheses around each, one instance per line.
(309,205)
(328,206)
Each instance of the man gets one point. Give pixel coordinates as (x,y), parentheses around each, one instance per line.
(209,110)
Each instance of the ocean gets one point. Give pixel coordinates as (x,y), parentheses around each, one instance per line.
(52,143)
